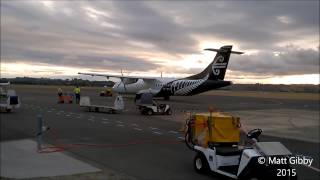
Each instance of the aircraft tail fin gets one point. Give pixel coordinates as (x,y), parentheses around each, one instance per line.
(216,70)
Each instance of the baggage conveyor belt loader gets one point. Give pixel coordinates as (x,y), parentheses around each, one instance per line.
(118,105)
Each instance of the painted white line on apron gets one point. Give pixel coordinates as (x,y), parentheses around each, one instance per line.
(138,129)
(159,133)
(173,132)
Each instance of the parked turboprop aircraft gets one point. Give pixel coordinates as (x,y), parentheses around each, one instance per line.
(210,78)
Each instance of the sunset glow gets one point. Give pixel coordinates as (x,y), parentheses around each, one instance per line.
(58,39)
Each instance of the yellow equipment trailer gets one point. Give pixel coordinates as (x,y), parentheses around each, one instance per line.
(214,127)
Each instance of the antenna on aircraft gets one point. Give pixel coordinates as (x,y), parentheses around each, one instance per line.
(122,80)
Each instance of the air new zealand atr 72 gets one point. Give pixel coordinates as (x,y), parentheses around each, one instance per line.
(210,78)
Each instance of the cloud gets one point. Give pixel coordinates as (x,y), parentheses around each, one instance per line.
(290,61)
(151,35)
(141,23)
(107,62)
(253,25)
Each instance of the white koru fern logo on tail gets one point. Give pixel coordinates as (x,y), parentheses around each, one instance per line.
(187,86)
(218,64)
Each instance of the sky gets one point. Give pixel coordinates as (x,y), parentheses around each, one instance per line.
(58,39)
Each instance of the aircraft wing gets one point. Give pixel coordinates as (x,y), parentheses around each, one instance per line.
(146,79)
(5,84)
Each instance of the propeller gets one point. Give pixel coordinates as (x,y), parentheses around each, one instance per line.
(124,84)
(122,80)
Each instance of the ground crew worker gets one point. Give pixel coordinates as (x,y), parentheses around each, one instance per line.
(60,95)
(59,92)
(77,94)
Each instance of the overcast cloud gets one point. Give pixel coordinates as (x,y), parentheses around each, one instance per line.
(143,36)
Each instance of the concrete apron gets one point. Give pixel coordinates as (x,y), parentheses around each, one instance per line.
(20,159)
(287,123)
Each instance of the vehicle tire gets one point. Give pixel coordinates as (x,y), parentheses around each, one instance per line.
(8,110)
(200,163)
(149,112)
(169,112)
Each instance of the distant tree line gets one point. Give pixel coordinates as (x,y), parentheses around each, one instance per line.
(308,88)
(48,81)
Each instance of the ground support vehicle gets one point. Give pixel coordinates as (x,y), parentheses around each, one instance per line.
(8,99)
(118,105)
(106,92)
(162,109)
(147,105)
(219,151)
